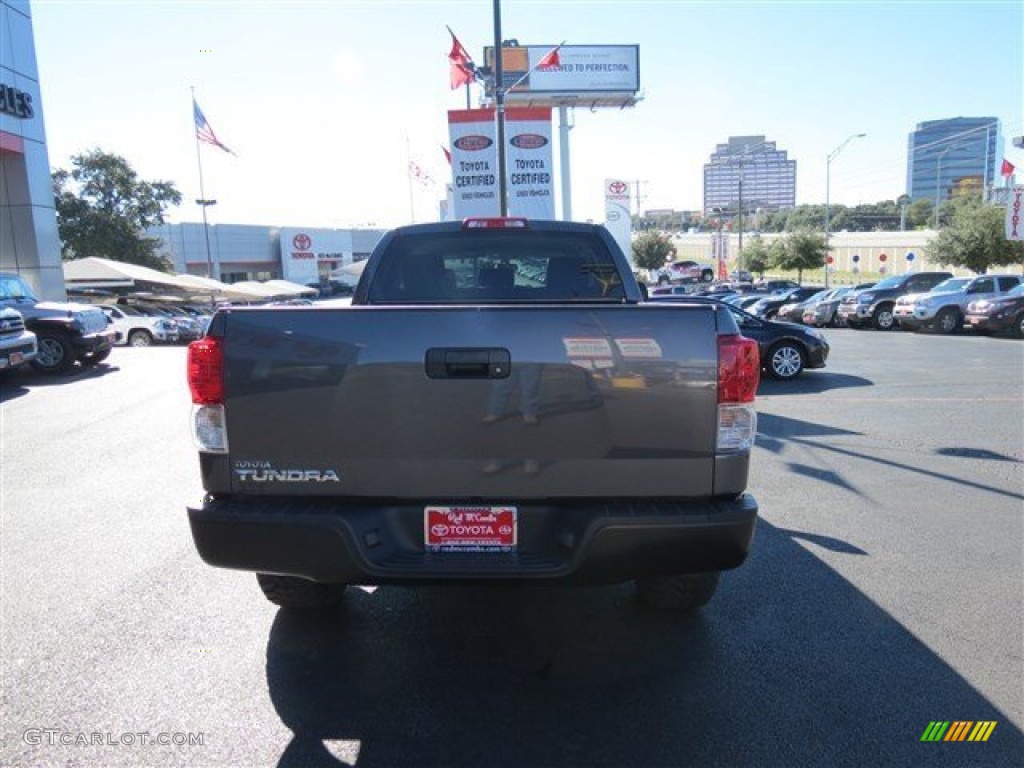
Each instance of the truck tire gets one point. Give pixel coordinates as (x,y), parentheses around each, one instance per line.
(947,321)
(883,319)
(678,592)
(140,339)
(299,594)
(56,355)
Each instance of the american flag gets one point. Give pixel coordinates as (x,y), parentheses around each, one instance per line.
(203,130)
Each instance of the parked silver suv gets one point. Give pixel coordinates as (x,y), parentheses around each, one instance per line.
(943,308)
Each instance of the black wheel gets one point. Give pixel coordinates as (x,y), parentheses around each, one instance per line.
(96,357)
(785,361)
(707,276)
(140,339)
(55,356)
(883,319)
(300,594)
(678,592)
(947,321)
(663,280)
(1018,326)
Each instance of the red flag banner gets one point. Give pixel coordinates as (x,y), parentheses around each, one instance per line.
(419,174)
(463,71)
(1008,168)
(447,154)
(550,60)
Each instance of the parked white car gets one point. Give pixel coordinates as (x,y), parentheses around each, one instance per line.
(137,329)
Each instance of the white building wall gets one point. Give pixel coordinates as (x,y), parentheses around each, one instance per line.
(869,246)
(29,242)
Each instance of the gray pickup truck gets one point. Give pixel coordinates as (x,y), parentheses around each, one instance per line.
(65,333)
(497,403)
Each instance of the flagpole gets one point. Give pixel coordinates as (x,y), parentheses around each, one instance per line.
(202,193)
(408,176)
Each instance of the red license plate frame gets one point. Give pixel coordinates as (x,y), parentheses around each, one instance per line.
(470,528)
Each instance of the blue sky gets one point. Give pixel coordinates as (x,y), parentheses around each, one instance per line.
(325,102)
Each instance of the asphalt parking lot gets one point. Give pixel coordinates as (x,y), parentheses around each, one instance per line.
(884,591)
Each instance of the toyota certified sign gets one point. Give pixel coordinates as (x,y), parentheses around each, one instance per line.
(302,242)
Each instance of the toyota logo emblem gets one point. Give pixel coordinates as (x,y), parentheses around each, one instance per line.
(302,242)
(618,187)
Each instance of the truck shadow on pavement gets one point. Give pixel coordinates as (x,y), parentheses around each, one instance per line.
(790,664)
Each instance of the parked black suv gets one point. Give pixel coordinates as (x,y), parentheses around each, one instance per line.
(874,305)
(66,333)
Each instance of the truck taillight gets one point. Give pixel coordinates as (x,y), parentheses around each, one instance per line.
(739,369)
(206,371)
(739,373)
(206,382)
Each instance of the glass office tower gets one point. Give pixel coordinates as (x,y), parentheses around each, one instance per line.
(952,157)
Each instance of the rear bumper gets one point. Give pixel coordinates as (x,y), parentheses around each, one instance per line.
(583,543)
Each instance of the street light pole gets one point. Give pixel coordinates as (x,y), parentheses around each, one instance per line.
(204,204)
(938,178)
(828,170)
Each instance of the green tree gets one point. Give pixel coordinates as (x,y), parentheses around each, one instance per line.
(975,238)
(652,250)
(755,256)
(103,209)
(799,251)
(919,214)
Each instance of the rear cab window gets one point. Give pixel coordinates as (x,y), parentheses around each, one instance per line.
(470,267)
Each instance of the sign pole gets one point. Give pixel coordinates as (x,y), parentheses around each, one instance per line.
(499,111)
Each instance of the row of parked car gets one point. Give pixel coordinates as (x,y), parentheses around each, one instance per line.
(53,336)
(140,324)
(922,301)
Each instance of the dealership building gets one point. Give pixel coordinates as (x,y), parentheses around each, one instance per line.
(233,252)
(29,243)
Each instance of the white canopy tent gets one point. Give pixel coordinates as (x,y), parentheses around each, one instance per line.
(349,273)
(119,276)
(295,288)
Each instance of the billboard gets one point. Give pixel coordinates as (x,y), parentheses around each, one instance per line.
(583,70)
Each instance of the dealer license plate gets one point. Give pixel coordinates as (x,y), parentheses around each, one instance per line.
(470,529)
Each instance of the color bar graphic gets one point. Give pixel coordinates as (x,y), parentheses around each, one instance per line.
(958,730)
